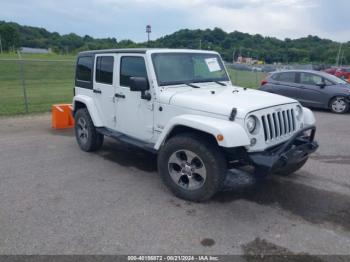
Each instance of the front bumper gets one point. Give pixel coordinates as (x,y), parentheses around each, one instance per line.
(289,154)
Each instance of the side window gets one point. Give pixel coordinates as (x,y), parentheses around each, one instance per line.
(104,69)
(131,66)
(288,77)
(84,67)
(275,77)
(327,82)
(310,79)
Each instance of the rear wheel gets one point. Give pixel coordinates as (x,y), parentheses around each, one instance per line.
(88,138)
(192,168)
(339,105)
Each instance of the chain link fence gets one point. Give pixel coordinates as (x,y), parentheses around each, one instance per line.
(28,86)
(245,75)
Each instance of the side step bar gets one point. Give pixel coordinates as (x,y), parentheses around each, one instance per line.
(126,139)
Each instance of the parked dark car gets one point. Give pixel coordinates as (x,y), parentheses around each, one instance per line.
(331,70)
(311,88)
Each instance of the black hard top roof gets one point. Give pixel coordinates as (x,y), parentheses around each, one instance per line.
(114,51)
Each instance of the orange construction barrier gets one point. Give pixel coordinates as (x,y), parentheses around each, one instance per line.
(62,116)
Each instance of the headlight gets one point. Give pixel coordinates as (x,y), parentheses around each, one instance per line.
(298,112)
(251,123)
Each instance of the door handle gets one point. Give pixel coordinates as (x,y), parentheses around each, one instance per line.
(97,91)
(119,95)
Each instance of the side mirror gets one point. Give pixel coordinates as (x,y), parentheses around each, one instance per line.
(322,85)
(138,84)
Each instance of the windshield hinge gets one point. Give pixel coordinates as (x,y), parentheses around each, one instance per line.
(233,114)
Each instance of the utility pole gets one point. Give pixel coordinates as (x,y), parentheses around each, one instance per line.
(24,89)
(0,45)
(341,58)
(233,55)
(339,51)
(148,31)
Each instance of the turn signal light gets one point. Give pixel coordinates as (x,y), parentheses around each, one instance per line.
(220,138)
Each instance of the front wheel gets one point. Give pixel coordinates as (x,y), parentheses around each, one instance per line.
(339,105)
(192,168)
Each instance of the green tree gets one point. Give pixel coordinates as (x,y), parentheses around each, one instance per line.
(9,37)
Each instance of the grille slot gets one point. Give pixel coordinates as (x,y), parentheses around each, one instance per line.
(278,124)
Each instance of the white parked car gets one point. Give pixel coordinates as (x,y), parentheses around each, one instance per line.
(181,105)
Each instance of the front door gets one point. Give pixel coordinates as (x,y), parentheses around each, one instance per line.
(134,114)
(104,88)
(311,93)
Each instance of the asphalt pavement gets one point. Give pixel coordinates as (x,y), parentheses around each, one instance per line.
(56,199)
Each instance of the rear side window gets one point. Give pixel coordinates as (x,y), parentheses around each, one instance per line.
(84,68)
(310,79)
(131,66)
(288,77)
(104,69)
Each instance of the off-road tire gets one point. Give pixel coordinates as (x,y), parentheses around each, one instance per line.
(291,170)
(94,139)
(213,160)
(346,108)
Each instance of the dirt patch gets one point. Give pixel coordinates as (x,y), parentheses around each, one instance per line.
(313,205)
(262,250)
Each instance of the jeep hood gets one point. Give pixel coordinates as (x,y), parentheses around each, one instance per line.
(221,99)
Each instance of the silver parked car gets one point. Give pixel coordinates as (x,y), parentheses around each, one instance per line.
(311,88)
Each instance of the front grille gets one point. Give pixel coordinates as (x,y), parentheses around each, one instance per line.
(278,124)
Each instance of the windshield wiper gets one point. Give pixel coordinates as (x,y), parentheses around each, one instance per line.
(210,80)
(220,83)
(191,85)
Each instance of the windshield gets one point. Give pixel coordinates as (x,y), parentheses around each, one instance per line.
(184,68)
(336,80)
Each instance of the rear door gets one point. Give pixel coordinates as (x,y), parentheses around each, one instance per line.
(311,93)
(284,83)
(104,87)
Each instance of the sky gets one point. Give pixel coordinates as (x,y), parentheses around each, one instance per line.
(127,19)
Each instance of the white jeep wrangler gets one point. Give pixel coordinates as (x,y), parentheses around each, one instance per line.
(181,105)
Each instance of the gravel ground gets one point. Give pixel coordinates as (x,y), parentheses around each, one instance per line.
(56,199)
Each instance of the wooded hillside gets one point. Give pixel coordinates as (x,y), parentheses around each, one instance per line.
(311,49)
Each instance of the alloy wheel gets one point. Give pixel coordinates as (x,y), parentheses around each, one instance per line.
(339,105)
(187,169)
(83,132)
